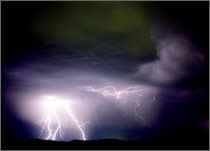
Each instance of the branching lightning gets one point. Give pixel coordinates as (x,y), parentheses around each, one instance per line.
(111,91)
(121,94)
(52,122)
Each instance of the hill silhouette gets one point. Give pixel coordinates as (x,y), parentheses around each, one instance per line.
(105,144)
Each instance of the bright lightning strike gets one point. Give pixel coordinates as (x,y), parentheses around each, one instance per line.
(52,122)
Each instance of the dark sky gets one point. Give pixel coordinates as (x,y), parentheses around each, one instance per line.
(61,48)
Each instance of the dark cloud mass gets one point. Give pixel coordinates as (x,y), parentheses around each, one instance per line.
(130,70)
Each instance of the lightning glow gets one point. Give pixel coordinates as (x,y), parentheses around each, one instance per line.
(52,122)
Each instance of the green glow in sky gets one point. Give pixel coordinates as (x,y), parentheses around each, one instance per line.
(125,23)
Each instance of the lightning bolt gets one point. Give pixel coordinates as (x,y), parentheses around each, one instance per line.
(120,94)
(78,123)
(111,91)
(51,123)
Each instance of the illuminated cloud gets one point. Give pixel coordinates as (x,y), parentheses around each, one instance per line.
(177,57)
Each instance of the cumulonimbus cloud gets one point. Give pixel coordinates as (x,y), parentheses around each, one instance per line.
(177,55)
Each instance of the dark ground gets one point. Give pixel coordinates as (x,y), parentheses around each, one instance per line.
(106,144)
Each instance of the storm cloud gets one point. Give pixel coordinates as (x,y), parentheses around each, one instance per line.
(177,56)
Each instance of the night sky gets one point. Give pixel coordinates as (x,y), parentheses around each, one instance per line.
(63,49)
